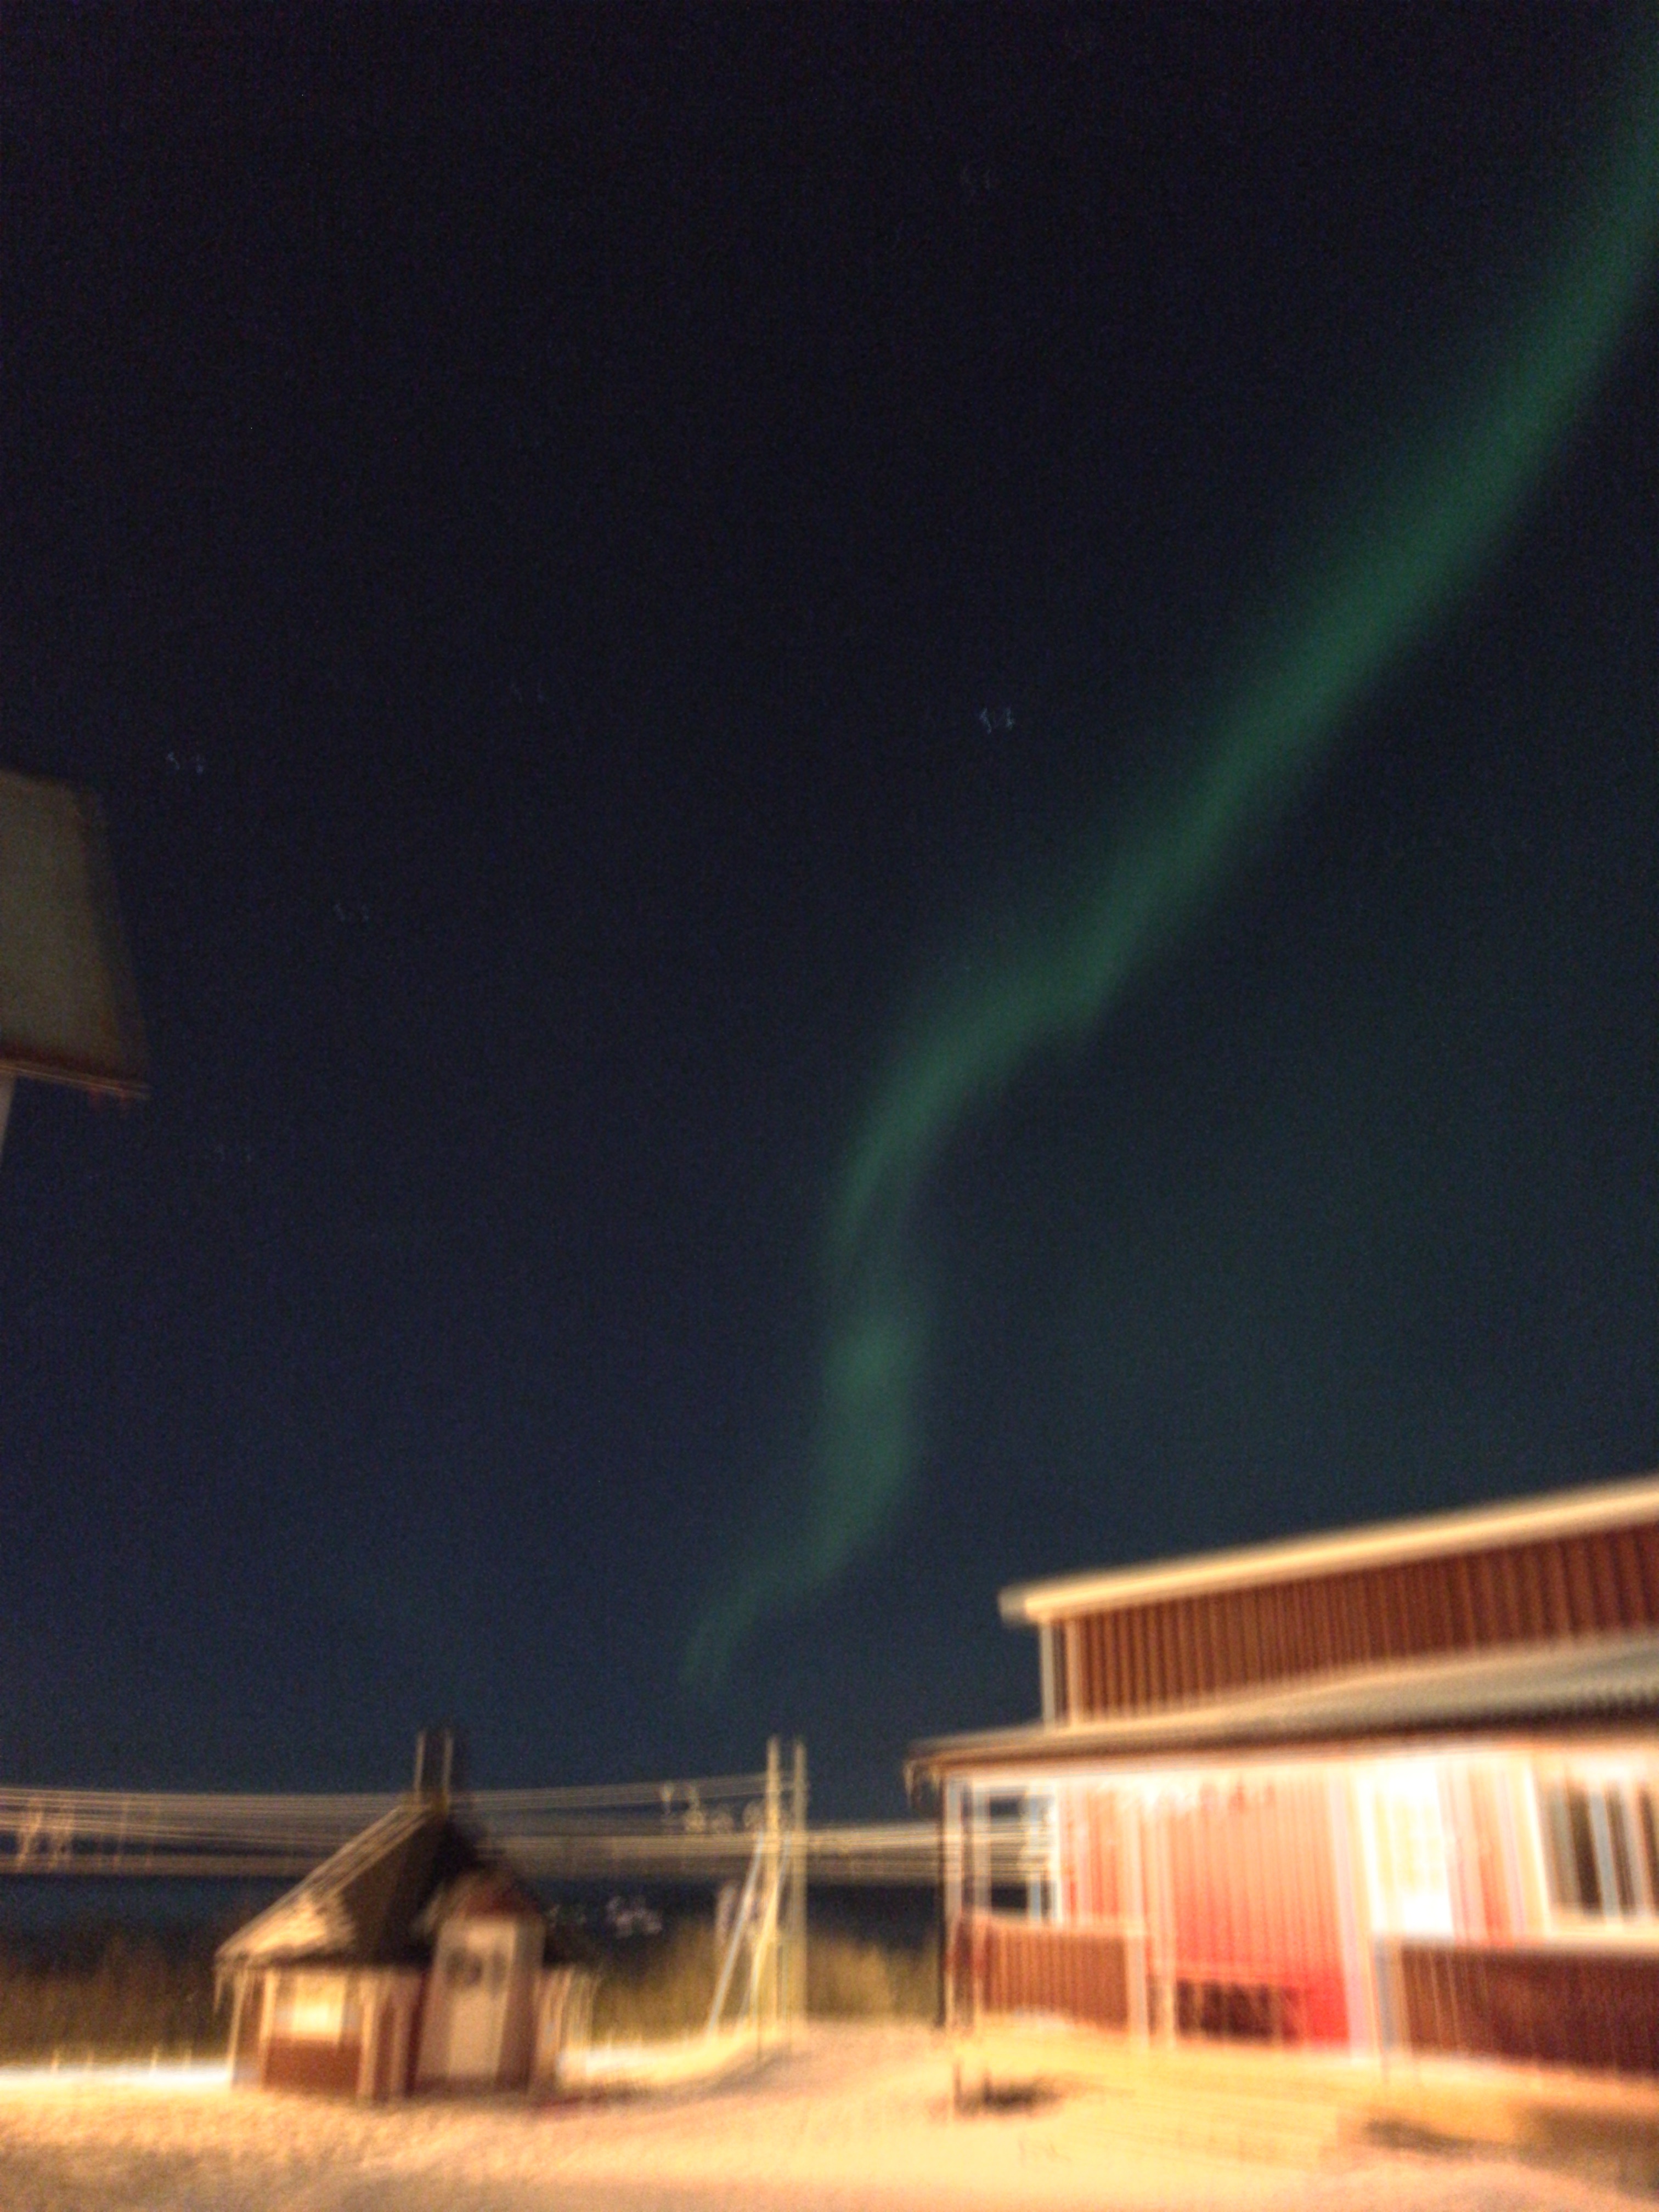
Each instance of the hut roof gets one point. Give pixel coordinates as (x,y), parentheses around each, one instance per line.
(378,1900)
(492,1892)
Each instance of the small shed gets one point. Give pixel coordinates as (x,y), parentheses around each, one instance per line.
(412,1958)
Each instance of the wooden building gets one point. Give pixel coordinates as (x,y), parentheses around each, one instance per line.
(410,1960)
(1395,1788)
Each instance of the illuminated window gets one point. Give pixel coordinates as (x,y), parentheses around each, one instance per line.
(1412,1884)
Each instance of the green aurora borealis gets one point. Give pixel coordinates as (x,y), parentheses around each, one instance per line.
(1435,515)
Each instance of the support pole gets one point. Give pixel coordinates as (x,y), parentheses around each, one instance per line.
(942,1917)
(766,1967)
(797,1991)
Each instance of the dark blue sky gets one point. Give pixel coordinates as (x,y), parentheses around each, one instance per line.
(525,517)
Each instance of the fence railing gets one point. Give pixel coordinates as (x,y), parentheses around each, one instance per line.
(697,1830)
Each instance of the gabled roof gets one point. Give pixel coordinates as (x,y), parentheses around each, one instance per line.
(371,1903)
(1609,1681)
(492,1892)
(1566,1512)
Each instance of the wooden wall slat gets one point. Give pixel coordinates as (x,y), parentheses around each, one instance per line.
(1647,1549)
(1238,1665)
(1604,1575)
(1158,1688)
(1627,1572)
(1220,1611)
(1371,1602)
(1466,1605)
(1192,1630)
(1339,1601)
(1317,1600)
(1557,1598)
(1250,1600)
(1581,1582)
(1296,1640)
(1171,1679)
(1397,1626)
(1489,1599)
(1434,1584)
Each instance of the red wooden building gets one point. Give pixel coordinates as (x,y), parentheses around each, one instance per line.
(1395,1788)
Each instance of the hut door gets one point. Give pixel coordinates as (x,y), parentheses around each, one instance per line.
(478,1975)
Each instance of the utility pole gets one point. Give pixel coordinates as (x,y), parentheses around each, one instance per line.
(767,1961)
(797,1988)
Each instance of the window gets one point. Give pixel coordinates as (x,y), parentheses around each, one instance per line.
(1601,1845)
(310,2005)
(1410,1873)
(1619,1836)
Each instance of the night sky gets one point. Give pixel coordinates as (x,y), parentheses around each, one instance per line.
(628,580)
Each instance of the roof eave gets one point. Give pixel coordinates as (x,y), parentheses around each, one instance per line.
(1595,1684)
(1598,1505)
(1064,1746)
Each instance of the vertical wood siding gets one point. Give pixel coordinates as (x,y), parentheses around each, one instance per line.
(1555,2007)
(1254,1905)
(1000,1965)
(1164,1652)
(297,2062)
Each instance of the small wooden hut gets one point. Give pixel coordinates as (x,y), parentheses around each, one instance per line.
(410,1960)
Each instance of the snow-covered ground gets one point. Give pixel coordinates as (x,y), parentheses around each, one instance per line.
(859,2117)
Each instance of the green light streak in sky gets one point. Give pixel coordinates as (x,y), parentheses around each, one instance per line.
(1443,513)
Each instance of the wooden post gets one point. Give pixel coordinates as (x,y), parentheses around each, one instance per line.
(797,1993)
(944,1913)
(766,1964)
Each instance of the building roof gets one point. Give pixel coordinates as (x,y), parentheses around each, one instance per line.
(372,1902)
(1599,1682)
(1567,1512)
(483,1893)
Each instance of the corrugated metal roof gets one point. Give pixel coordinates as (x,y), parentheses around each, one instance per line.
(1605,1678)
(1597,1505)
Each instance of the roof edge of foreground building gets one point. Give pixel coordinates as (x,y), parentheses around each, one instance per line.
(1579,1511)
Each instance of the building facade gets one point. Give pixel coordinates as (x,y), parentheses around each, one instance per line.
(1392,1789)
